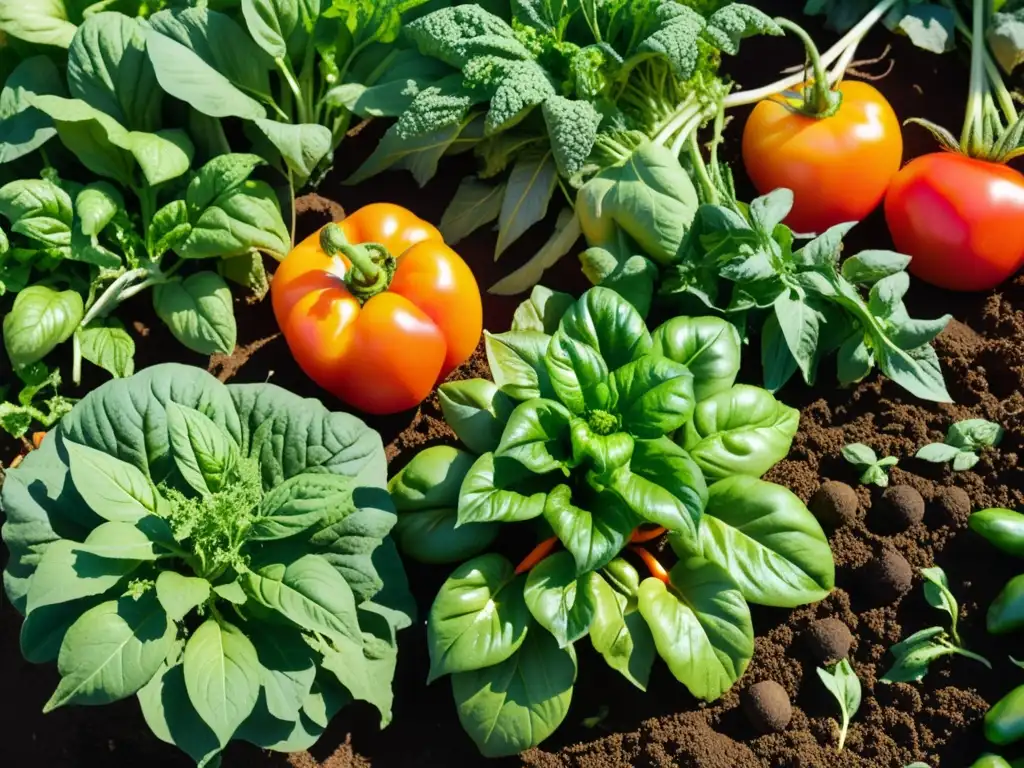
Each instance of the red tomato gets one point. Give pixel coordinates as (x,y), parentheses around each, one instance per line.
(838,167)
(385,352)
(960,219)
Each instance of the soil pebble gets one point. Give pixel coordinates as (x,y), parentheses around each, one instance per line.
(767,706)
(829,640)
(953,505)
(900,508)
(835,504)
(890,576)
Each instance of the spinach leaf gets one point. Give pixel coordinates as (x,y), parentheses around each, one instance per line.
(199,312)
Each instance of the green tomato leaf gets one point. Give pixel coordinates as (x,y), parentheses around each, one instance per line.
(537,436)
(180,594)
(477,412)
(767,540)
(744,430)
(560,602)
(199,312)
(40,319)
(479,617)
(114,489)
(107,344)
(701,628)
(709,346)
(222,676)
(593,538)
(516,704)
(487,494)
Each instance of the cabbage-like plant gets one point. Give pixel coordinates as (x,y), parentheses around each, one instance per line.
(603,434)
(219,551)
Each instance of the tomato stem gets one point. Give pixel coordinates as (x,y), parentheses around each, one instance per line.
(537,554)
(373,266)
(820,100)
(656,569)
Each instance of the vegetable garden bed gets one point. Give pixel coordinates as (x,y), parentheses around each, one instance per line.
(611,723)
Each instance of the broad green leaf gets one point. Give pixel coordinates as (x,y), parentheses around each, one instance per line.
(475,204)
(287,670)
(68,572)
(42,631)
(560,602)
(199,312)
(868,267)
(843,684)
(301,146)
(24,129)
(744,430)
(488,493)
(435,536)
(107,344)
(40,319)
(309,592)
(479,617)
(767,540)
(593,536)
(114,489)
(543,311)
(207,60)
(537,436)
(516,360)
(120,541)
(527,195)
(180,594)
(299,503)
(655,396)
(938,453)
(222,676)
(281,27)
(708,346)
(432,479)
(663,486)
(859,454)
(477,411)
(800,322)
(42,21)
(419,155)
(620,633)
(205,454)
(108,68)
(247,271)
(232,592)
(35,199)
(938,594)
(366,671)
(172,718)
(516,704)
(567,233)
(777,362)
(168,229)
(702,628)
(112,651)
(268,732)
(96,206)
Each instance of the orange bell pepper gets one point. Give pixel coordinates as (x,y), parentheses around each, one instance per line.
(376,309)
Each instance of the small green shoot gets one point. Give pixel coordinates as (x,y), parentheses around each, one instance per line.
(875,470)
(842,682)
(963,441)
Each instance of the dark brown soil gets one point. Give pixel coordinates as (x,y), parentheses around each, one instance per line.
(936,721)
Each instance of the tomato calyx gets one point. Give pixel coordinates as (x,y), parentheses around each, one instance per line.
(373,265)
(816,99)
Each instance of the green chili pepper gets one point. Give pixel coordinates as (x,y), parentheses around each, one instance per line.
(1006,614)
(990,761)
(1002,527)
(1004,723)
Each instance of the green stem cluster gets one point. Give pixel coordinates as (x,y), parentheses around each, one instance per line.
(373,266)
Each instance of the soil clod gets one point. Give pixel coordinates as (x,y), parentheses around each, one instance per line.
(953,505)
(890,576)
(900,508)
(767,706)
(835,505)
(830,640)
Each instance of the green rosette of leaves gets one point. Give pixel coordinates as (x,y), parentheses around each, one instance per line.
(219,551)
(592,427)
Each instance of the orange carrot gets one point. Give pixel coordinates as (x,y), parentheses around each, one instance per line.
(16,461)
(657,569)
(37,439)
(538,553)
(644,533)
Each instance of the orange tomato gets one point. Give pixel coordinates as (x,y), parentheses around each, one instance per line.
(839,167)
(379,344)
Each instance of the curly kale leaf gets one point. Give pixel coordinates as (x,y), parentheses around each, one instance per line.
(456,35)
(676,38)
(572,126)
(518,87)
(735,22)
(436,107)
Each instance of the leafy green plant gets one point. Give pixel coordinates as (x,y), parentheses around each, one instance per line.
(557,93)
(742,262)
(963,441)
(842,682)
(917,652)
(17,416)
(220,552)
(874,470)
(593,428)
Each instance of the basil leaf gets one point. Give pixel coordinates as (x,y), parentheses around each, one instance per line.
(107,344)
(40,319)
(537,436)
(868,267)
(199,312)
(708,346)
(488,493)
(664,486)
(620,633)
(543,311)
(561,602)
(655,396)
(516,360)
(593,538)
(477,412)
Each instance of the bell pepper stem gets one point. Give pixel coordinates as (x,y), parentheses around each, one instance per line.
(368,275)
